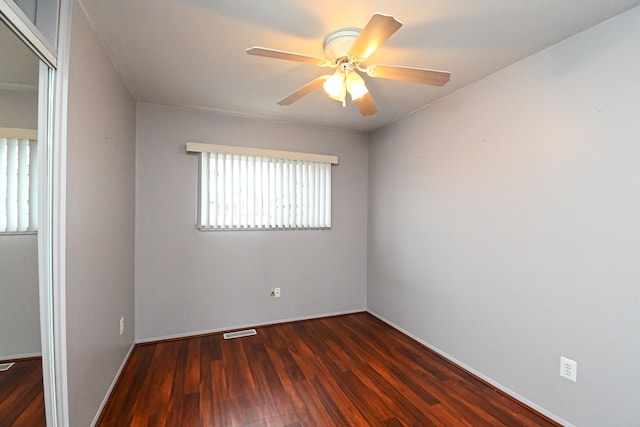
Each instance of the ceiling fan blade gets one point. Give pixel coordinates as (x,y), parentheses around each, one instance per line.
(409,74)
(289,56)
(379,28)
(366,105)
(304,90)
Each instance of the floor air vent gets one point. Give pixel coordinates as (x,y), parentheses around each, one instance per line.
(239,334)
(6,366)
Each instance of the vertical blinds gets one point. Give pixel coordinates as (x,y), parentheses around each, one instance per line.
(255,192)
(18,185)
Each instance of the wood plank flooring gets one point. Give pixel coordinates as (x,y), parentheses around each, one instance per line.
(22,395)
(350,370)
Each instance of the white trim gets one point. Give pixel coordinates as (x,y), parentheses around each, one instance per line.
(198,147)
(245,326)
(469,369)
(12,357)
(58,223)
(112,386)
(45,247)
(28,32)
(19,133)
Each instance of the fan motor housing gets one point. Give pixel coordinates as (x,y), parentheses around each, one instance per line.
(337,44)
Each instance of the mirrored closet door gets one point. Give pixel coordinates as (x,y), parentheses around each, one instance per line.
(22,166)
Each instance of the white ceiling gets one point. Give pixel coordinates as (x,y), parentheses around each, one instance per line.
(191,53)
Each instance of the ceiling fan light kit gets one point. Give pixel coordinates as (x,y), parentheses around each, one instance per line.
(334,84)
(344,80)
(355,85)
(345,50)
(335,87)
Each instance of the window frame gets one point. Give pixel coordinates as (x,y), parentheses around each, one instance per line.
(320,163)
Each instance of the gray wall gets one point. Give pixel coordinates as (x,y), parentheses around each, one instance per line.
(189,281)
(19,303)
(504,225)
(18,109)
(100,222)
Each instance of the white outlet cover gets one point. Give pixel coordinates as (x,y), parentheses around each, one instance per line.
(568,369)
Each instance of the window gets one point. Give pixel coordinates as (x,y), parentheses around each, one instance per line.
(18,183)
(242,188)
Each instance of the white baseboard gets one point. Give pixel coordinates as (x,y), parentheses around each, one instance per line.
(483,377)
(12,357)
(113,384)
(249,325)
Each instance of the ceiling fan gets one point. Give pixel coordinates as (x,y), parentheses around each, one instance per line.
(345,50)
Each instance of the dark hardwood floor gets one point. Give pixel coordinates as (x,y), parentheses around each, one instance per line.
(350,370)
(22,395)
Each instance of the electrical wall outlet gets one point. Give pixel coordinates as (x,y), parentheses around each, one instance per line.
(121,325)
(568,369)
(275,293)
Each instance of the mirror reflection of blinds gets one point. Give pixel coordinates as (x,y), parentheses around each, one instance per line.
(253,192)
(18,185)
